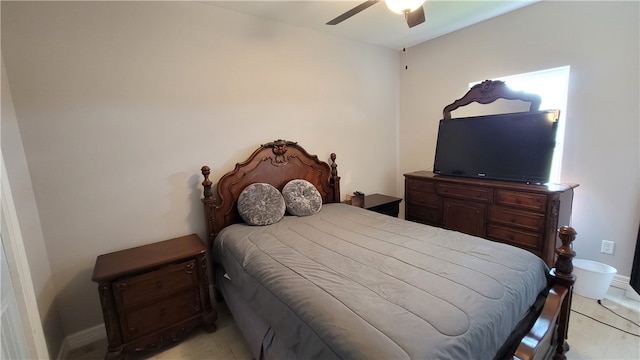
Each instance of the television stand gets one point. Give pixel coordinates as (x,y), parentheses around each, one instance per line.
(519,214)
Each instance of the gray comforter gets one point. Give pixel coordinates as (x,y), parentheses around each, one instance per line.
(353,284)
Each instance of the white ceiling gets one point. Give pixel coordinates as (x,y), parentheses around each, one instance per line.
(377,24)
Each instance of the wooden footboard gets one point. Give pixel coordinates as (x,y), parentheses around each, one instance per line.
(547,337)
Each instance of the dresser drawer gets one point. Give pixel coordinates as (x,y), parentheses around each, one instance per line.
(423,214)
(145,320)
(154,284)
(515,237)
(479,194)
(526,220)
(426,199)
(523,200)
(421,186)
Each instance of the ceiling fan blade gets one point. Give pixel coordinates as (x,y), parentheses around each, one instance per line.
(352,12)
(416,17)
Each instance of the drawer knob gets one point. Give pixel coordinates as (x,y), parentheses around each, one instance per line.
(159,284)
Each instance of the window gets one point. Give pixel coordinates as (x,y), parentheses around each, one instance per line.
(552,85)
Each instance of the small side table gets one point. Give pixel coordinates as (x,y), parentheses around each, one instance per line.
(383,204)
(153,295)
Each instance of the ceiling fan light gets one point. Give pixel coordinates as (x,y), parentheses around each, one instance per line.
(402,6)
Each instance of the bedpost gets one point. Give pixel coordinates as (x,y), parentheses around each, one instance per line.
(564,262)
(563,274)
(206,183)
(335,179)
(209,203)
(547,338)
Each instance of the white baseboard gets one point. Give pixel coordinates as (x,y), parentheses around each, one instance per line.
(64,350)
(631,293)
(81,338)
(86,337)
(620,282)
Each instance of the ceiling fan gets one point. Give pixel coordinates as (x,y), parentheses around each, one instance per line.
(412,9)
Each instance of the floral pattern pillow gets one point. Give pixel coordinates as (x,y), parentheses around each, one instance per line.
(301,198)
(261,204)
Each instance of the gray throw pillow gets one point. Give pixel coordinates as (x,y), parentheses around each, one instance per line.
(261,204)
(301,198)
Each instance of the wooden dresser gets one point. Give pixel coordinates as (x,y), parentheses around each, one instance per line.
(153,295)
(520,214)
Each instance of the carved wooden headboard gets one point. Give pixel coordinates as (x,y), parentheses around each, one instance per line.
(489,91)
(274,163)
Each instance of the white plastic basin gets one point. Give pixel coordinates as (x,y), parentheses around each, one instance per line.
(593,278)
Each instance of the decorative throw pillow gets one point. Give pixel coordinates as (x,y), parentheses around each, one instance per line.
(301,198)
(261,204)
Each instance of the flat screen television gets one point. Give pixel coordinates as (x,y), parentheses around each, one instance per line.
(513,146)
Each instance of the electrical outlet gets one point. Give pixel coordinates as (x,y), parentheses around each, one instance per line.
(607,247)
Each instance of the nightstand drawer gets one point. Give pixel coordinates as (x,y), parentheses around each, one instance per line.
(529,201)
(388,209)
(145,320)
(530,221)
(153,295)
(154,284)
(383,204)
(475,193)
(514,237)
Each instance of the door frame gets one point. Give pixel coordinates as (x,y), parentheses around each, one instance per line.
(20,272)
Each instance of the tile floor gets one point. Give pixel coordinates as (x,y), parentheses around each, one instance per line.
(588,337)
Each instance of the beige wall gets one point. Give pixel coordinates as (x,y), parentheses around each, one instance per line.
(600,41)
(22,193)
(120,104)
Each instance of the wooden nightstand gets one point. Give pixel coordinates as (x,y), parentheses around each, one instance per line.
(382,204)
(153,295)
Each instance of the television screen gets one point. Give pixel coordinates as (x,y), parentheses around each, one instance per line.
(513,146)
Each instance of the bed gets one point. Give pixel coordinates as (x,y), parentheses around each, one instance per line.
(341,282)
